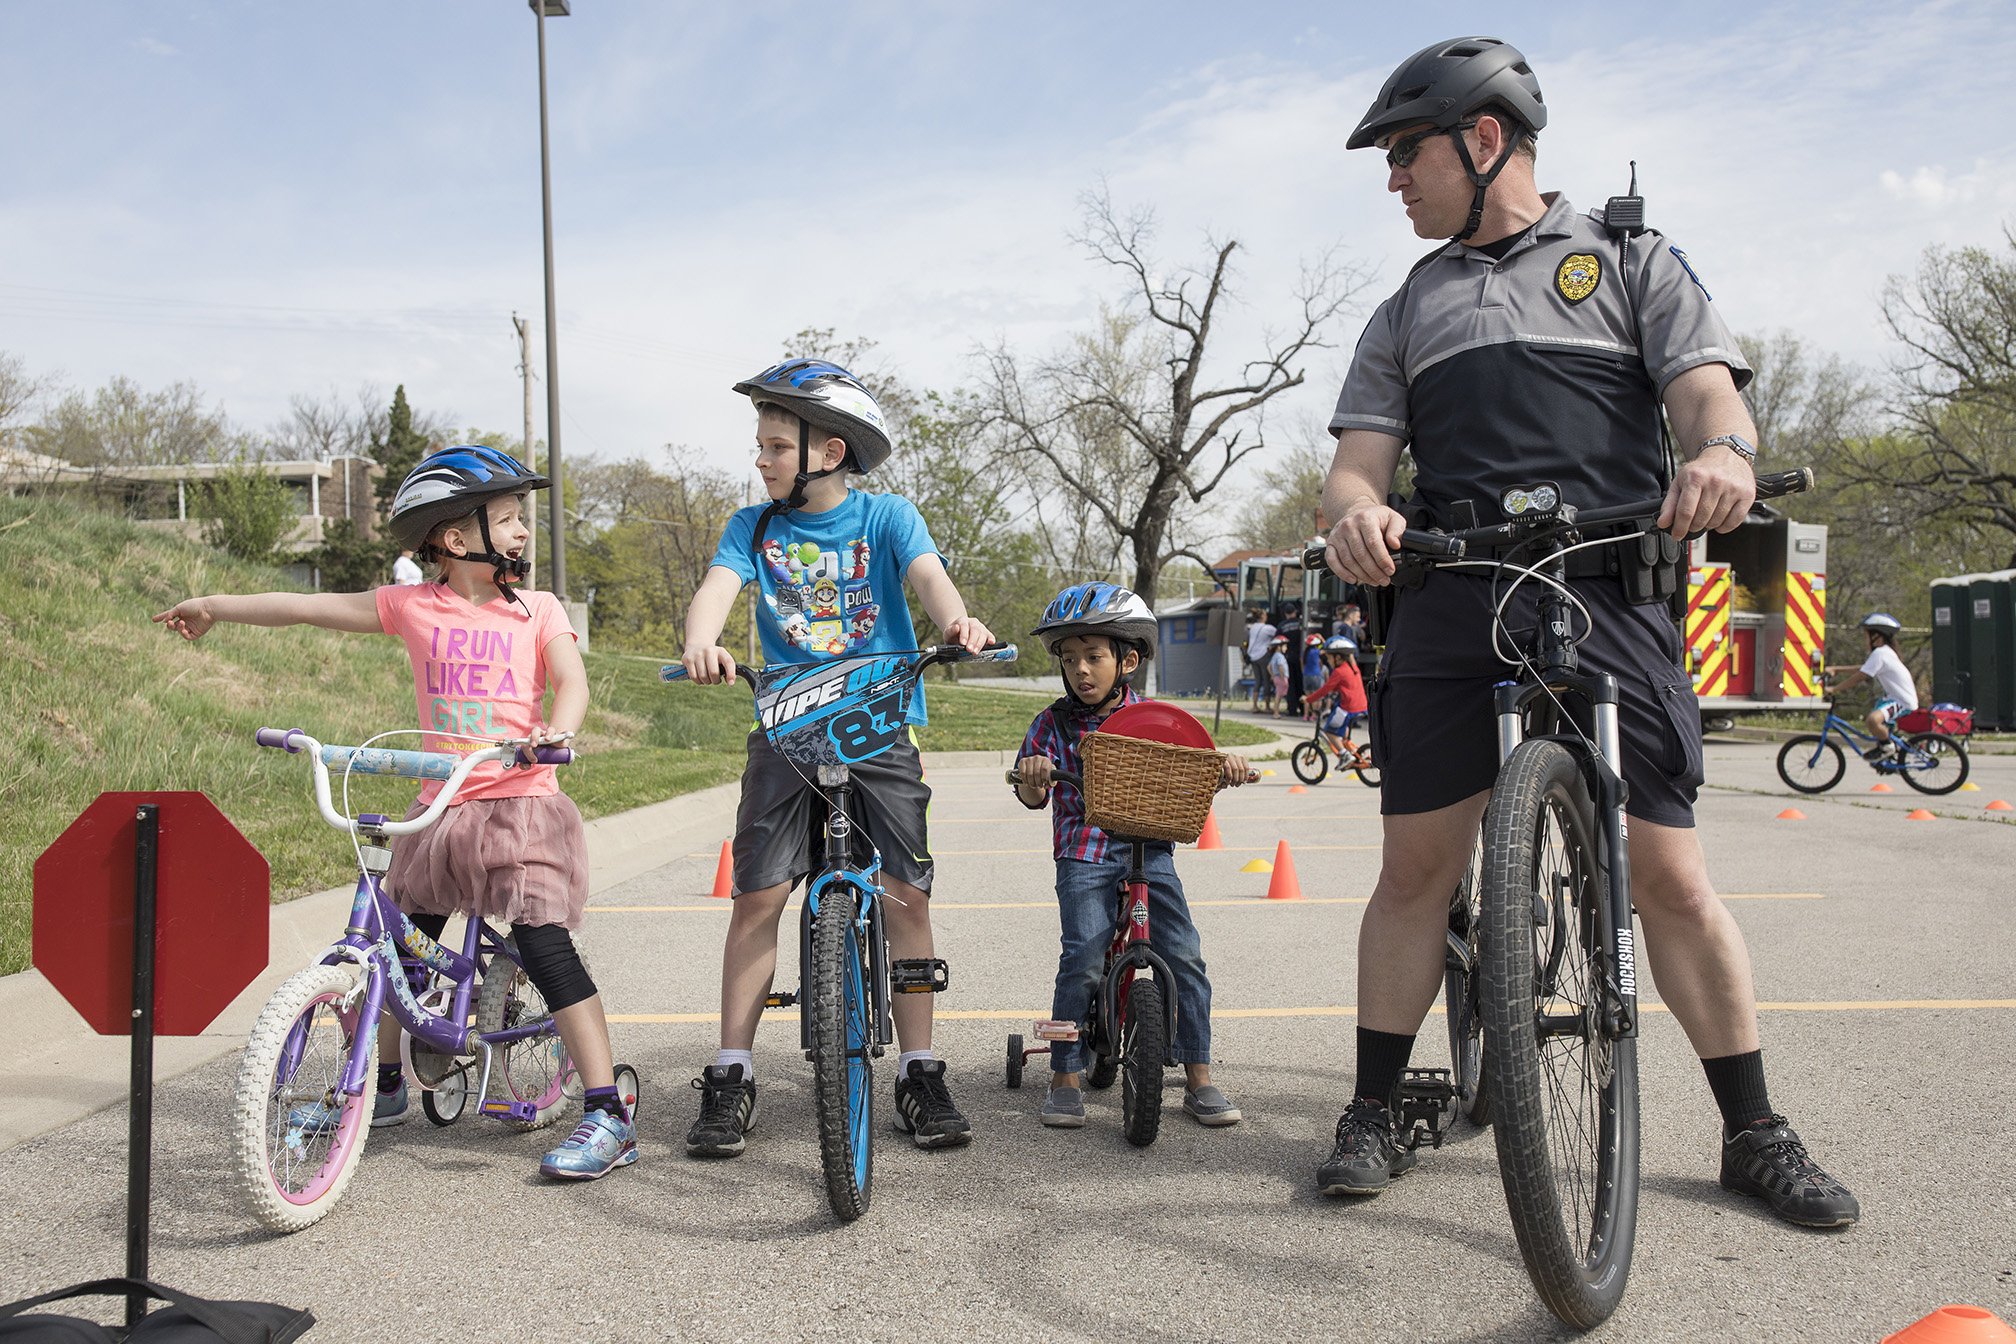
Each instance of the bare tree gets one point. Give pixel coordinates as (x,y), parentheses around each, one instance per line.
(318,429)
(122,424)
(1281,510)
(19,390)
(1123,428)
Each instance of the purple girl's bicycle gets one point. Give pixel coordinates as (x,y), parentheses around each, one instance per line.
(305,1087)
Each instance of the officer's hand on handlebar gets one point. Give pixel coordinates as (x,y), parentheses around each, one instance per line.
(1361,546)
(709,664)
(1033,772)
(1713,493)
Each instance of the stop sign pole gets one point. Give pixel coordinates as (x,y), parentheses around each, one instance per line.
(140,1113)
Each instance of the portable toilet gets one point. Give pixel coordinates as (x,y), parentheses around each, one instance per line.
(1991,637)
(1952,669)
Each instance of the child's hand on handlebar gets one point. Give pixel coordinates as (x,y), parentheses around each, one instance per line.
(1237,771)
(709,664)
(969,634)
(1033,772)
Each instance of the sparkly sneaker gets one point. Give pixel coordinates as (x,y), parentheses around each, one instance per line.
(1768,1161)
(601,1143)
(924,1108)
(727,1112)
(1366,1158)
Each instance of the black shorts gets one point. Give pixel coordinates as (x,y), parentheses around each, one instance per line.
(1435,734)
(780,823)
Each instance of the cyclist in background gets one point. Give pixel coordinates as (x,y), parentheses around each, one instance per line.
(1346,684)
(1896,692)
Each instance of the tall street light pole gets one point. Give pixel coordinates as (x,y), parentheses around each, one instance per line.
(557,524)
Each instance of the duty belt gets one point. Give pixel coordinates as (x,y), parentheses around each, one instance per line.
(1598,562)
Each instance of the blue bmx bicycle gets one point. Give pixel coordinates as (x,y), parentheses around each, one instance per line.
(1928,762)
(824,718)
(304,1092)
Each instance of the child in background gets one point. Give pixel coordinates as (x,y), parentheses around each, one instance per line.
(1346,684)
(1277,674)
(1100,634)
(510,848)
(1312,671)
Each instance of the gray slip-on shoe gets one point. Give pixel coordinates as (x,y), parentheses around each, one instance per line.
(1208,1106)
(1064,1108)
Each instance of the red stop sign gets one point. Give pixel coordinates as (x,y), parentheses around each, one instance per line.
(211,906)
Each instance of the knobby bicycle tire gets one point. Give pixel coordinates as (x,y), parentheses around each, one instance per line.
(1144,1047)
(1564,1109)
(534,1069)
(843,1077)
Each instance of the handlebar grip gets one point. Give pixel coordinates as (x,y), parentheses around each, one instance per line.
(1313,557)
(277,737)
(1056,777)
(1416,541)
(553,755)
(672,672)
(1780,483)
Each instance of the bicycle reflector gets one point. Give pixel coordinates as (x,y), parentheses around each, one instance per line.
(1530,501)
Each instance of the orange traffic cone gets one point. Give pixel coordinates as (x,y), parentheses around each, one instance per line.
(1210,839)
(1791,814)
(1955,1325)
(1998,805)
(1880,787)
(1283,886)
(724,874)
(1919,814)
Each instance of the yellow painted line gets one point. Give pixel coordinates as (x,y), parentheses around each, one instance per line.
(1338,1010)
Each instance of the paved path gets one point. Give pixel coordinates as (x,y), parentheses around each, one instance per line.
(1882,948)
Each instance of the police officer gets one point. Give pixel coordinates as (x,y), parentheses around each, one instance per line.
(1526,349)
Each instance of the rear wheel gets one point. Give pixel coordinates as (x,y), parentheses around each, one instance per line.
(1563,1092)
(1934,763)
(1310,762)
(843,1077)
(1367,772)
(1811,763)
(1143,1049)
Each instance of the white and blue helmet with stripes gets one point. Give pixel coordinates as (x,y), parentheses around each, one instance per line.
(1097,609)
(452,483)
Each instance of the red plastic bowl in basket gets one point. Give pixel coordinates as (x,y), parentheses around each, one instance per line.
(1159,721)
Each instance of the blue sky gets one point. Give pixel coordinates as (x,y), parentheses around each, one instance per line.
(268,199)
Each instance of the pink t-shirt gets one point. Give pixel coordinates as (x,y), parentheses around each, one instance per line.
(477,671)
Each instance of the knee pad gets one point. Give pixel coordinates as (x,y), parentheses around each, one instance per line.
(552,964)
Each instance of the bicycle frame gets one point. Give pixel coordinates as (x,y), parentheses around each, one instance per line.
(1130,951)
(838,870)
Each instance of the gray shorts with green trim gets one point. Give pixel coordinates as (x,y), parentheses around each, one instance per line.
(781,823)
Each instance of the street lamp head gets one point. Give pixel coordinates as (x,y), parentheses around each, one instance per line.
(552,9)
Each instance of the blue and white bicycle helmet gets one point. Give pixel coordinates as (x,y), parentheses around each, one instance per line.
(1341,644)
(452,483)
(831,398)
(1097,609)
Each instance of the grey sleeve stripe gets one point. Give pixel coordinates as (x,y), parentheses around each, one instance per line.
(1707,354)
(1524,338)
(1380,423)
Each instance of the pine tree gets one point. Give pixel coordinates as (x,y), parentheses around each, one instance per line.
(399,452)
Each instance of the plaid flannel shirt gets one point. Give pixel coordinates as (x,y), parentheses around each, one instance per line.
(1055,733)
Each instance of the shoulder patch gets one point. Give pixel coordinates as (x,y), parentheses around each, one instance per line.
(1577,276)
(1689,268)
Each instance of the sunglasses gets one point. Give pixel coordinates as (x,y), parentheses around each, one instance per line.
(1402,151)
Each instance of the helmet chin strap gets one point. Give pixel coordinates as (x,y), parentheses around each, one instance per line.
(1482,181)
(503,566)
(796,499)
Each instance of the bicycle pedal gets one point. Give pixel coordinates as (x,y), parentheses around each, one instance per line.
(1426,1103)
(524,1112)
(919,975)
(1048,1030)
(780,1000)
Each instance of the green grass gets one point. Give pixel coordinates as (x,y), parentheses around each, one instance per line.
(101,699)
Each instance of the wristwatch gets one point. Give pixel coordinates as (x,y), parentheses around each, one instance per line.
(1735,443)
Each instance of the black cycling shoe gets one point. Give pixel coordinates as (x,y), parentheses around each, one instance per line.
(1768,1161)
(924,1108)
(727,1112)
(1366,1158)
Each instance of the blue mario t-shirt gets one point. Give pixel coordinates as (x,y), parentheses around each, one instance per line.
(832,582)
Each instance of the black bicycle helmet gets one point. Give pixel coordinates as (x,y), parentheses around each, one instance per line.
(452,483)
(1447,83)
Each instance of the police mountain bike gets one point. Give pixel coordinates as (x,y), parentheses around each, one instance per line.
(1555,956)
(823,718)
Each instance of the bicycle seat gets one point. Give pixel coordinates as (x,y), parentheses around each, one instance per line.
(1159,721)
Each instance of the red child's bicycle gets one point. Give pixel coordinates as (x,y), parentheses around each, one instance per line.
(1150,774)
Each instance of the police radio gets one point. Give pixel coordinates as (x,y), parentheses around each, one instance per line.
(1624,215)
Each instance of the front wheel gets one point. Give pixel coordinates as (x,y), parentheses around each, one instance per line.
(1563,1091)
(843,1079)
(1934,763)
(1309,762)
(296,1134)
(1143,1049)
(1811,764)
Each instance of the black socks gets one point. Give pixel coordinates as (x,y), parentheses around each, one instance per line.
(388,1077)
(1382,1058)
(602,1099)
(1738,1084)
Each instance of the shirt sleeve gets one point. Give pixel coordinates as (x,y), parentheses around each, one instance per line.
(904,535)
(549,621)
(1033,745)
(1679,327)
(391,600)
(1375,389)
(737,543)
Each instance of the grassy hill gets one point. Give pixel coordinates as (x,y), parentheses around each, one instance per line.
(102,699)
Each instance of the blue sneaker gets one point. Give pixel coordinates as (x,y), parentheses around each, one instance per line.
(387,1108)
(599,1144)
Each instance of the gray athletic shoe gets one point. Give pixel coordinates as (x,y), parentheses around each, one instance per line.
(1208,1106)
(1064,1108)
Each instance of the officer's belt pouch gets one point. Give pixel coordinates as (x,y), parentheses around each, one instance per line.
(1652,567)
(1379,602)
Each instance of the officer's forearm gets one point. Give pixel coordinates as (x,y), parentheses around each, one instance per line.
(1702,403)
(1361,472)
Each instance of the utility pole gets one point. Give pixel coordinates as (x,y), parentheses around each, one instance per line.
(524,330)
(558,507)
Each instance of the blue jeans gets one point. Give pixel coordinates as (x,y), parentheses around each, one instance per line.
(1087,898)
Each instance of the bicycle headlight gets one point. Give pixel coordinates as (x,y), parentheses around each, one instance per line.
(1530,501)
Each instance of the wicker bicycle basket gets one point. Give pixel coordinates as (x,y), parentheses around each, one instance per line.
(1135,787)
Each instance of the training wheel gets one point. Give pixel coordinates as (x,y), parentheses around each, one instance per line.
(1015,1059)
(444,1102)
(627,1089)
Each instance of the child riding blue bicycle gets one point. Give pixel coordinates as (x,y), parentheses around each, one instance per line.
(1100,634)
(1896,692)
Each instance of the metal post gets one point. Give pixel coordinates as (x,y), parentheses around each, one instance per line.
(556,504)
(523,328)
(140,1089)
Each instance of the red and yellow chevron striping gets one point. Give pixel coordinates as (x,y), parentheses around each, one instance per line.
(1805,632)
(1707,628)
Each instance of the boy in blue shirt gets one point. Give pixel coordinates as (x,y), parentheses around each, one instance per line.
(1100,634)
(830,564)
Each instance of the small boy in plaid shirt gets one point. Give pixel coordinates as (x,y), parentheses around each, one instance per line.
(1101,634)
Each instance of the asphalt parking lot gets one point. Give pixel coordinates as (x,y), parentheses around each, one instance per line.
(1882,947)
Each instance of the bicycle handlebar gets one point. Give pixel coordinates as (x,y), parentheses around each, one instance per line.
(937,653)
(1066,777)
(451,769)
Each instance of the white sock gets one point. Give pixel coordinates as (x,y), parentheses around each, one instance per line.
(903,1061)
(723,1058)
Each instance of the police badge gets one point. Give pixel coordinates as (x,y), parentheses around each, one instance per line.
(1578,276)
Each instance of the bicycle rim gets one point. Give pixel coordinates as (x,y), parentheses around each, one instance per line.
(1934,763)
(1563,1096)
(842,1071)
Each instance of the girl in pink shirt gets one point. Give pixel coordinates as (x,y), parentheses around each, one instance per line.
(510,848)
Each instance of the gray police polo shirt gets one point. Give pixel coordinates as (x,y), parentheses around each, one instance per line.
(1500,373)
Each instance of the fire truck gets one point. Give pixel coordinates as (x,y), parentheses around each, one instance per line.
(1756,626)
